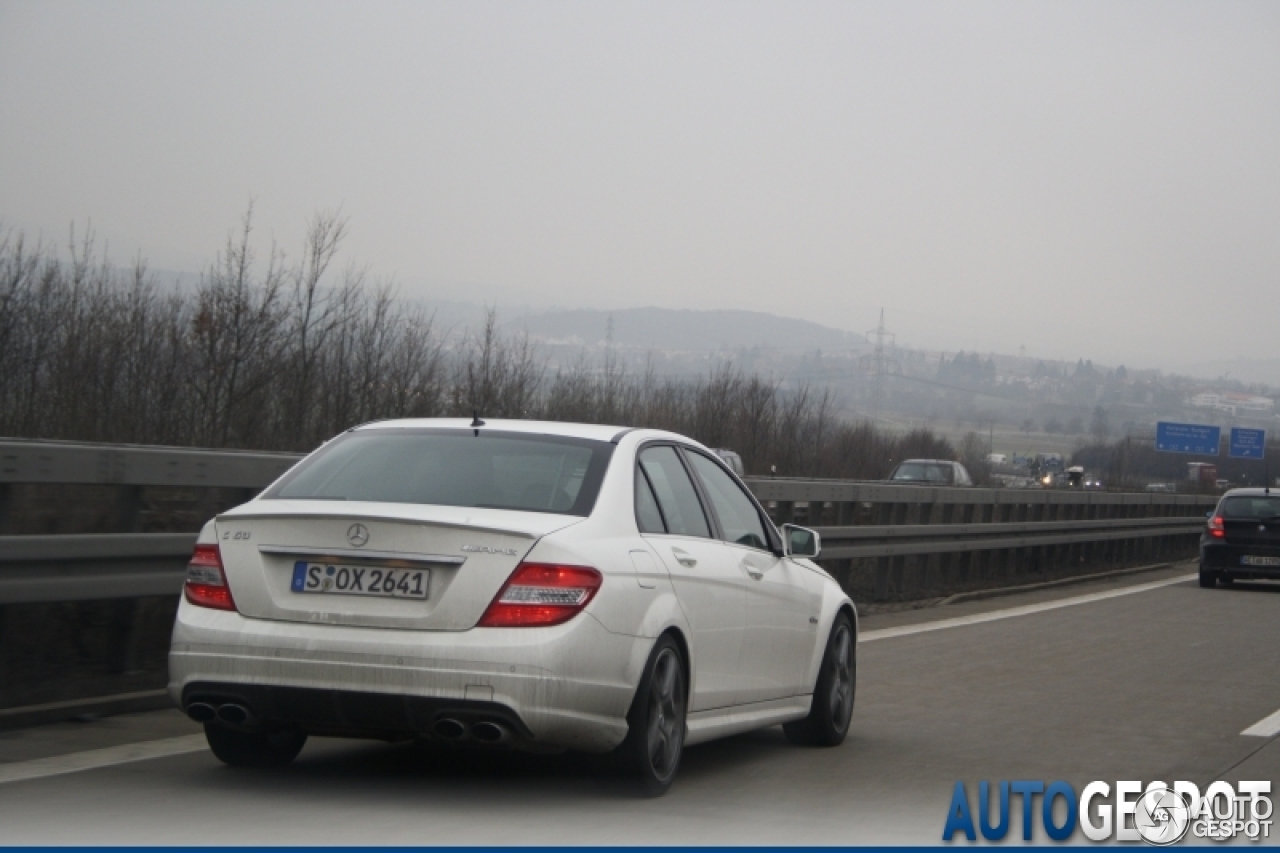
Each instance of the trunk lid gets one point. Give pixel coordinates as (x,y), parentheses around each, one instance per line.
(468,551)
(1252,531)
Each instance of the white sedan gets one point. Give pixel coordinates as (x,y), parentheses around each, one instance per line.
(538,585)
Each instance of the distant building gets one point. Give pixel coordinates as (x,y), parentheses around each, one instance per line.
(1232,402)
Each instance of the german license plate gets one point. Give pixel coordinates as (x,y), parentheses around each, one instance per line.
(1260,561)
(338,579)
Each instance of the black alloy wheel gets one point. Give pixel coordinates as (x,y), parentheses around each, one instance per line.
(655,738)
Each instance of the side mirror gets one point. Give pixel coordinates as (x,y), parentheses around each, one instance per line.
(801,541)
(1209,514)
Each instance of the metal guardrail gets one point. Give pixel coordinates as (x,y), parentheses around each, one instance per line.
(137,465)
(90,567)
(862,491)
(906,520)
(920,539)
(972,532)
(82,567)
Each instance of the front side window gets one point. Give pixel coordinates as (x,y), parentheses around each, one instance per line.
(498,470)
(737,513)
(674,491)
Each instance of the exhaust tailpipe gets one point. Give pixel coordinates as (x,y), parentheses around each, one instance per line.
(488,732)
(235,715)
(449,729)
(201,712)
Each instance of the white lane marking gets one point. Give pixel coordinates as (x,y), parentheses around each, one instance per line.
(1026,609)
(39,768)
(1266,727)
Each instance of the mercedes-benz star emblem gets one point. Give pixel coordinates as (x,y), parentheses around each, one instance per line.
(357,535)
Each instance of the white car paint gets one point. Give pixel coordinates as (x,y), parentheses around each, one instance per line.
(754,623)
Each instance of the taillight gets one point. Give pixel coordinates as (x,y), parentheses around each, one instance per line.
(1216,528)
(206,581)
(540,594)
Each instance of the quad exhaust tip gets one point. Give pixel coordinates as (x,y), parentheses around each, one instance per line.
(449,729)
(487,732)
(201,712)
(236,715)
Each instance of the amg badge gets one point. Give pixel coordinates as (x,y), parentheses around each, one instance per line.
(485,549)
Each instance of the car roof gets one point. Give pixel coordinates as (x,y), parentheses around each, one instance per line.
(1253,492)
(595,432)
(929,461)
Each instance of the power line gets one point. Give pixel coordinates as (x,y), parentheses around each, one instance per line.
(880,333)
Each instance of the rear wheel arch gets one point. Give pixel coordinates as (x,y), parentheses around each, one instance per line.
(683,645)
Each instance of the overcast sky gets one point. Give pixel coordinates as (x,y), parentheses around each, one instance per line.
(1085,179)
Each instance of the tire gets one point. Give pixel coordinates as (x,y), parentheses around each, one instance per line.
(833,694)
(1208,579)
(253,749)
(656,721)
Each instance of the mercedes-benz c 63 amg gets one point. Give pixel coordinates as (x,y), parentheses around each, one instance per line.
(542,586)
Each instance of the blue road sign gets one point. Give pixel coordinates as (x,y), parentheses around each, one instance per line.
(1247,443)
(1199,439)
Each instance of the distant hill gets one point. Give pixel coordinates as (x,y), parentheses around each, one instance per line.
(688,330)
(1249,370)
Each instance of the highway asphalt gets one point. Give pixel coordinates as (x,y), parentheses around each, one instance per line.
(1141,677)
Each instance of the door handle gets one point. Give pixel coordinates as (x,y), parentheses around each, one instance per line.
(756,572)
(683,558)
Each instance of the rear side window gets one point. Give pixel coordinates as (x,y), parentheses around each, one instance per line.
(648,516)
(736,511)
(500,470)
(674,491)
(1260,507)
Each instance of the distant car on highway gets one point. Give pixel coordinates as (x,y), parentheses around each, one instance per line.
(1241,538)
(732,459)
(541,586)
(931,472)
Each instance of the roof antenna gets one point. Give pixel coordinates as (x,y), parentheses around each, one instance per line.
(476,423)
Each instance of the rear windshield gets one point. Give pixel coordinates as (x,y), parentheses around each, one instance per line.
(500,470)
(1262,506)
(923,472)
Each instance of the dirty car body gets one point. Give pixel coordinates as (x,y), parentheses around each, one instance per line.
(501,583)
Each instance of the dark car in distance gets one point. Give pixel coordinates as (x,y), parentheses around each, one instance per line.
(931,472)
(1242,538)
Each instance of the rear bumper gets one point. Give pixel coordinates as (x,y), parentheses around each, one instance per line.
(1229,560)
(567,686)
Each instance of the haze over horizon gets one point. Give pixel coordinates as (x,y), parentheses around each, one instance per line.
(1087,180)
